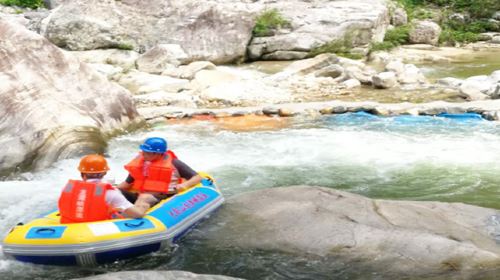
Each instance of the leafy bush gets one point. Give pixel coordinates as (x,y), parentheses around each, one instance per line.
(476,11)
(476,8)
(33,4)
(341,47)
(393,38)
(383,46)
(268,20)
(398,35)
(450,36)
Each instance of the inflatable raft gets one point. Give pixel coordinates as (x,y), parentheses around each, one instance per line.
(46,241)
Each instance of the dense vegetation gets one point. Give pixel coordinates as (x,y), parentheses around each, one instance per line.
(461,20)
(33,4)
(268,21)
(393,38)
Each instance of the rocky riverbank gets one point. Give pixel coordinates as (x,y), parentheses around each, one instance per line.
(165,58)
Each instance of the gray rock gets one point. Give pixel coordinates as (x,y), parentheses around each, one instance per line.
(399,17)
(411,75)
(496,15)
(351,83)
(476,88)
(494,91)
(461,18)
(53,106)
(495,39)
(484,37)
(396,66)
(216,31)
(306,66)
(450,82)
(494,25)
(314,23)
(120,58)
(51,4)
(415,238)
(161,57)
(333,71)
(189,71)
(425,32)
(35,19)
(495,76)
(285,55)
(142,83)
(355,72)
(384,80)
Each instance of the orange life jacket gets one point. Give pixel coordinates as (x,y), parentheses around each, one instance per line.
(157,177)
(83,201)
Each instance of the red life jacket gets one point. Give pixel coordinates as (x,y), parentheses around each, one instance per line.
(156,178)
(83,201)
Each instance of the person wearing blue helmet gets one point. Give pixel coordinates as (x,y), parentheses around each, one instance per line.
(158,171)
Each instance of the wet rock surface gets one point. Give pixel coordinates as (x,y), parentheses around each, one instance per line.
(416,238)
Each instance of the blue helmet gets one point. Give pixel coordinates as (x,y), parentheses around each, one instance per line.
(154,145)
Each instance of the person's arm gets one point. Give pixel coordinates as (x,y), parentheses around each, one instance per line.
(117,201)
(189,183)
(137,211)
(125,185)
(191,176)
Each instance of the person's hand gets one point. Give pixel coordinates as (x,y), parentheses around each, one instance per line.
(147,198)
(179,188)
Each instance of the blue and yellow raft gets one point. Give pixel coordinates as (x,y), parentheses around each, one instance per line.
(46,241)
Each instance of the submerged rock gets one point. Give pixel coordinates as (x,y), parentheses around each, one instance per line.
(416,238)
(53,106)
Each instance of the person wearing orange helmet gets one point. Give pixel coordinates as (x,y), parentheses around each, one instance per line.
(158,171)
(90,199)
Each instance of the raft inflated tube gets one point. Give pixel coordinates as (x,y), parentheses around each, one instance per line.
(463,116)
(46,241)
(369,116)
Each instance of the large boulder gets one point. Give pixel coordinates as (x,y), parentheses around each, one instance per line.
(217,31)
(415,238)
(314,23)
(53,106)
(425,32)
(476,87)
(384,80)
(214,30)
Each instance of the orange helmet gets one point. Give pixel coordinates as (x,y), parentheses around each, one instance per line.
(93,164)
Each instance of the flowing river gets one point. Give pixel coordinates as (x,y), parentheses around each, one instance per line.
(407,158)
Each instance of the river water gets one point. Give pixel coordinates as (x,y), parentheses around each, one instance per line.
(407,158)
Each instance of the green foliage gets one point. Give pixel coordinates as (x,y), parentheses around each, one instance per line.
(383,46)
(341,47)
(450,36)
(476,11)
(421,13)
(124,46)
(398,35)
(268,20)
(33,4)
(393,38)
(475,8)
